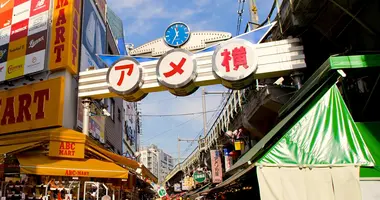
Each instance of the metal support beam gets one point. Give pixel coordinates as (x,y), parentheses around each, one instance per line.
(86,114)
(354,17)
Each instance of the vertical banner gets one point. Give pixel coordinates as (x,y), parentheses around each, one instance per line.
(65,35)
(216,167)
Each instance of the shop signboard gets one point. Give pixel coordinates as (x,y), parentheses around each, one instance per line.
(216,166)
(34,106)
(64,43)
(65,149)
(162,192)
(23,36)
(93,37)
(188,183)
(177,187)
(96,128)
(199,176)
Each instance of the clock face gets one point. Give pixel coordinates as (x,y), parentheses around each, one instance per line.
(177,34)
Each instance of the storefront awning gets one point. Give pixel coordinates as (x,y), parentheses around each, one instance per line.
(124,161)
(322,80)
(18,147)
(43,165)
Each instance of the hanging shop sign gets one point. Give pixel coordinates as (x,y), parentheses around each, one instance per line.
(125,78)
(177,187)
(34,106)
(23,36)
(188,183)
(66,149)
(162,192)
(235,63)
(216,166)
(65,35)
(199,176)
(182,61)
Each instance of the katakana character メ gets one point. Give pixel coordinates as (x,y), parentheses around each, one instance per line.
(176,68)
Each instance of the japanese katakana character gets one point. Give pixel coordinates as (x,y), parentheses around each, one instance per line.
(176,68)
(123,67)
(226,59)
(240,57)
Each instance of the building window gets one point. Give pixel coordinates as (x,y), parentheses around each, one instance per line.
(112,108)
(119,114)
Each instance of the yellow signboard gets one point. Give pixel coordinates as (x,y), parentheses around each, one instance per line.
(66,149)
(33,106)
(65,35)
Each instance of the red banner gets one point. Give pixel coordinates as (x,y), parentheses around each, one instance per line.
(216,167)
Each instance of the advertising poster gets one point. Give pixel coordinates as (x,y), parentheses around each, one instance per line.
(23,35)
(93,37)
(102,7)
(97,124)
(216,167)
(131,123)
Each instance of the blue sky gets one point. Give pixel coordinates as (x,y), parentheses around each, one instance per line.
(146,20)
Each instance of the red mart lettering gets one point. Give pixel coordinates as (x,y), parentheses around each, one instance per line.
(67,149)
(60,30)
(25,101)
(76,173)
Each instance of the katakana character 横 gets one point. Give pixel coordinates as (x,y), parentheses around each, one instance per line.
(176,68)
(239,56)
(124,67)
(226,59)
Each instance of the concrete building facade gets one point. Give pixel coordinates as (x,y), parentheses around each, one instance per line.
(157,161)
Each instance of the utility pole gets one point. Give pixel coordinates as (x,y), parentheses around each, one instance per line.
(179,153)
(204,108)
(179,148)
(204,112)
(254,16)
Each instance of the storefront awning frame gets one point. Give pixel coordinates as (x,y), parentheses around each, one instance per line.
(326,76)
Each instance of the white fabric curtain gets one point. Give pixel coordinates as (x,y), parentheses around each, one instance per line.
(293,183)
(370,190)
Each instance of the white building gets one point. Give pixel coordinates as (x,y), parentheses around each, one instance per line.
(157,161)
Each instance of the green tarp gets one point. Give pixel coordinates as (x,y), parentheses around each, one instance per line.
(371,134)
(324,134)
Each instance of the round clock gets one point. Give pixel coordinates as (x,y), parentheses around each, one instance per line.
(177,34)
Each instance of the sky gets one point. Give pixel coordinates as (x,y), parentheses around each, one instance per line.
(146,20)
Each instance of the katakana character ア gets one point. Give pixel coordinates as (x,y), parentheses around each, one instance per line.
(226,59)
(176,68)
(240,57)
(123,67)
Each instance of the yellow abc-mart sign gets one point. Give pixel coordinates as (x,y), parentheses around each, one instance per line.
(33,106)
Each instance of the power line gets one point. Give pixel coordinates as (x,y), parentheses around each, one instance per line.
(171,129)
(170,115)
